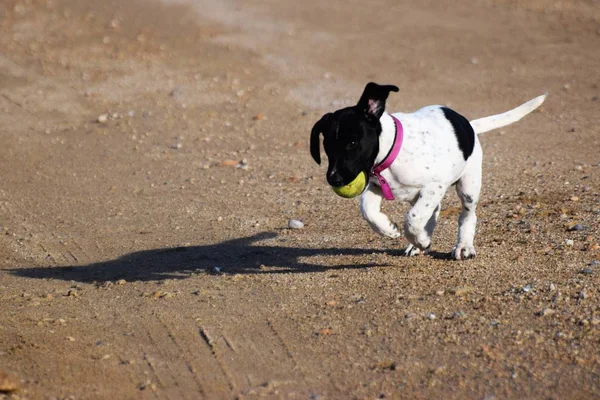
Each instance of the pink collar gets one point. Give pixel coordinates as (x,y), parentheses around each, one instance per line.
(388,160)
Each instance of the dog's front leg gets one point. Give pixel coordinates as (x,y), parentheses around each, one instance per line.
(370,209)
(421,219)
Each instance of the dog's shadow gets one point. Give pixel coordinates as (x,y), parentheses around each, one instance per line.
(261,253)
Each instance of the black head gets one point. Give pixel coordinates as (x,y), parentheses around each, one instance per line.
(351,135)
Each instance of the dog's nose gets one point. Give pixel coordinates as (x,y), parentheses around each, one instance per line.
(335,180)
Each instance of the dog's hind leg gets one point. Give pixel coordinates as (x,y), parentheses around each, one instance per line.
(370,209)
(468,188)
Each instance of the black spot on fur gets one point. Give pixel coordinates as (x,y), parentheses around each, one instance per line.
(463,130)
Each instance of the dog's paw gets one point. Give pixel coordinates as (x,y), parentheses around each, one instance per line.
(391,231)
(463,252)
(412,250)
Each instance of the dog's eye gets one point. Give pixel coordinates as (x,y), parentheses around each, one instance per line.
(352,145)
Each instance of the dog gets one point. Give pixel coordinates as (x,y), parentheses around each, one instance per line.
(438,148)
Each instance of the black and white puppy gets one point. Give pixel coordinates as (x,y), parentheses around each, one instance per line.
(440,149)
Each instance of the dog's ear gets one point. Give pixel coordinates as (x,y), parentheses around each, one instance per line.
(372,101)
(315,145)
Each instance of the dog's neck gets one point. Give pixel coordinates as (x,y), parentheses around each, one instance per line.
(386,137)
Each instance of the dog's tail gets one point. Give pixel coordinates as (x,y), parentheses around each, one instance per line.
(482,125)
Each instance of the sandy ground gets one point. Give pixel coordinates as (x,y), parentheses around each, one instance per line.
(141,258)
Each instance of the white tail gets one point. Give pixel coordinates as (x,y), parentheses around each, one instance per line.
(482,125)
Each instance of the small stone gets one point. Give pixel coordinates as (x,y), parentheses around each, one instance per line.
(459,314)
(546,312)
(70,338)
(216,270)
(587,271)
(431,316)
(440,292)
(595,263)
(385,364)
(569,242)
(121,282)
(73,293)
(552,287)
(578,228)
(474,60)
(574,198)
(259,117)
(102,119)
(461,290)
(409,316)
(295,224)
(229,163)
(176,146)
(325,332)
(583,295)
(592,247)
(8,383)
(526,289)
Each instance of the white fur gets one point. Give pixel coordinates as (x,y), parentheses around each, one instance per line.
(429,162)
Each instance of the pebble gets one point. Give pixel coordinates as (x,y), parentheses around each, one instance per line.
(409,316)
(229,163)
(102,119)
(461,290)
(176,146)
(459,314)
(73,293)
(431,316)
(546,312)
(587,271)
(526,289)
(583,294)
(295,224)
(569,242)
(121,282)
(595,263)
(578,228)
(8,383)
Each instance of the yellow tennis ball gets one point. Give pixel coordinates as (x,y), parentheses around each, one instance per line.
(354,188)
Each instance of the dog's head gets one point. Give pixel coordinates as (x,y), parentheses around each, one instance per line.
(351,135)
